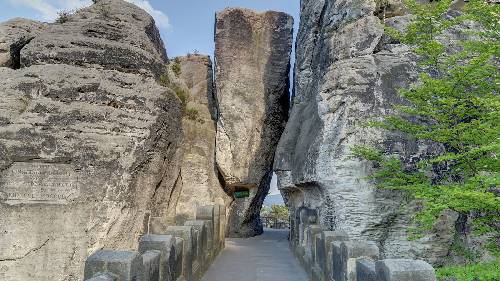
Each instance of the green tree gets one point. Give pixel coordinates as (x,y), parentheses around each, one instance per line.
(454,103)
(279,212)
(265,211)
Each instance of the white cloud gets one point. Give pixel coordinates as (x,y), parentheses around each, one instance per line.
(160,18)
(48,9)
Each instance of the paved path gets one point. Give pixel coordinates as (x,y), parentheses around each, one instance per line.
(262,258)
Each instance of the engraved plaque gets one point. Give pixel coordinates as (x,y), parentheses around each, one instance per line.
(36,182)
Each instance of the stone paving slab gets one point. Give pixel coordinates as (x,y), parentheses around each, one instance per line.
(262,258)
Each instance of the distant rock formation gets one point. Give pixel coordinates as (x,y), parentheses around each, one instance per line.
(252,54)
(347,72)
(88,139)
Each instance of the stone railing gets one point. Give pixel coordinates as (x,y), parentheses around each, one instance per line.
(167,253)
(332,256)
(272,222)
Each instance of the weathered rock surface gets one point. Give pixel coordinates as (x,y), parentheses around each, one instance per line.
(111,34)
(200,184)
(346,75)
(88,148)
(252,52)
(14,35)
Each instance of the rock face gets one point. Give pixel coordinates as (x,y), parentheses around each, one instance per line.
(200,184)
(110,34)
(347,73)
(88,142)
(252,54)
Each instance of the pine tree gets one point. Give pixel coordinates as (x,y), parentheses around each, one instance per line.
(454,103)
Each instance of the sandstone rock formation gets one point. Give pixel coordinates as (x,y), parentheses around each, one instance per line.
(200,185)
(88,141)
(110,34)
(345,75)
(252,52)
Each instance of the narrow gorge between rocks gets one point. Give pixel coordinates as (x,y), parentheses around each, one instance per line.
(119,163)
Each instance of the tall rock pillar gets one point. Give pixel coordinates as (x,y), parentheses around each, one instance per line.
(347,73)
(200,185)
(252,52)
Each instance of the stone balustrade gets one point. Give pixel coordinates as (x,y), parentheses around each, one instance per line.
(168,253)
(332,256)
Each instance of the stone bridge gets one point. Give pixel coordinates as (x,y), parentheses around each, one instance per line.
(188,252)
(105,143)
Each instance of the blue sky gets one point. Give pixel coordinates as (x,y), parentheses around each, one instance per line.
(185,25)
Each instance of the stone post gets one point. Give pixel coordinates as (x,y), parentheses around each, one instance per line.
(328,238)
(210,253)
(217,225)
(318,258)
(323,251)
(310,242)
(165,244)
(202,248)
(210,213)
(187,233)
(404,270)
(179,258)
(223,222)
(365,270)
(151,265)
(344,258)
(306,217)
(125,265)
(197,264)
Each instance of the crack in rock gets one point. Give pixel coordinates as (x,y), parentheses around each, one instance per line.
(27,253)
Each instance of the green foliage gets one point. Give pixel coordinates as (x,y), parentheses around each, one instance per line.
(176,68)
(460,248)
(265,210)
(455,103)
(104,10)
(164,80)
(63,16)
(192,114)
(181,94)
(480,272)
(277,212)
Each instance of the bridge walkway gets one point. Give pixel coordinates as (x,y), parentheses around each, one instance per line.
(262,258)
